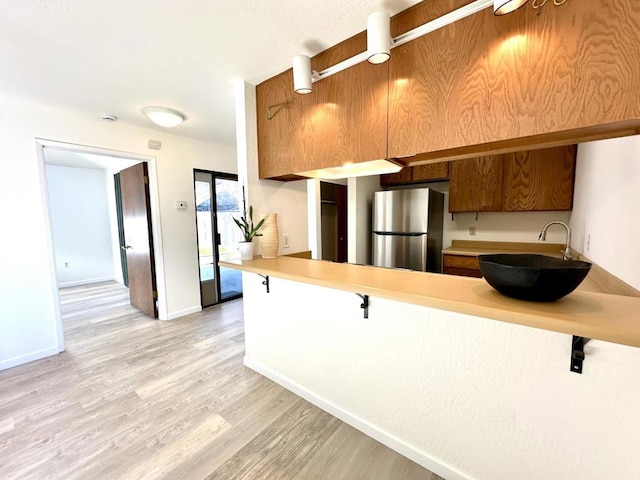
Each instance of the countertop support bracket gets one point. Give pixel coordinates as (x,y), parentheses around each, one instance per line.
(577,352)
(365,304)
(265,282)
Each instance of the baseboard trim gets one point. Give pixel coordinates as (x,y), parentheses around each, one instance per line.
(87,281)
(427,461)
(29,357)
(182,313)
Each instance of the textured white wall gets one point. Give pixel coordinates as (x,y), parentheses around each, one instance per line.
(28,328)
(467,397)
(81,227)
(287,199)
(607,206)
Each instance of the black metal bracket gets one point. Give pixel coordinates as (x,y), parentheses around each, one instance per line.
(265,282)
(577,353)
(365,304)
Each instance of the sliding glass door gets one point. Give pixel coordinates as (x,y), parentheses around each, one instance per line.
(217,196)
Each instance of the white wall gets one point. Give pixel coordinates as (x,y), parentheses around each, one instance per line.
(28,328)
(607,206)
(81,226)
(360,195)
(497,226)
(503,226)
(287,199)
(467,397)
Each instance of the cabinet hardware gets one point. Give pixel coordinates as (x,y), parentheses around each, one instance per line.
(265,282)
(577,353)
(365,304)
(277,107)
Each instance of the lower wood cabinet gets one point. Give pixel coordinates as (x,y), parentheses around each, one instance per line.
(463,265)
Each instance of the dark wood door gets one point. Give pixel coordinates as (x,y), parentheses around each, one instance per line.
(136,213)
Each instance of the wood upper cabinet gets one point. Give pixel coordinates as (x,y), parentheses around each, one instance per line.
(540,179)
(280,145)
(347,122)
(475,184)
(515,182)
(432,172)
(344,120)
(514,82)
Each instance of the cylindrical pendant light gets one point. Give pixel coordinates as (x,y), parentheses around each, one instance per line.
(302,74)
(502,7)
(379,37)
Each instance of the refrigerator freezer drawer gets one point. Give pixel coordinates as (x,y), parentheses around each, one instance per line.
(400,251)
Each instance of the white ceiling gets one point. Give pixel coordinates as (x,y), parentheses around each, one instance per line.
(119,56)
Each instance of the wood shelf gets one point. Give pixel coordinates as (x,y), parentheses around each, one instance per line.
(611,318)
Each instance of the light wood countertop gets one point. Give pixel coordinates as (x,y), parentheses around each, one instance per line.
(471,248)
(612,318)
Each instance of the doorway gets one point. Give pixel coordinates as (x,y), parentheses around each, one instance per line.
(333,217)
(216,200)
(79,201)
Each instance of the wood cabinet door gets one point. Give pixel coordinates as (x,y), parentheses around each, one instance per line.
(347,122)
(540,179)
(400,178)
(344,120)
(280,142)
(475,184)
(512,80)
(430,173)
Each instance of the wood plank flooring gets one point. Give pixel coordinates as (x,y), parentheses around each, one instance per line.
(136,398)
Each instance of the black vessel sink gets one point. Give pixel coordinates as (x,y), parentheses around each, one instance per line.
(533,277)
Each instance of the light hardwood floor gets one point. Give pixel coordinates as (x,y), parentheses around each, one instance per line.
(136,398)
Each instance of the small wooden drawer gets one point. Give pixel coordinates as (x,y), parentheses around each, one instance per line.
(460,261)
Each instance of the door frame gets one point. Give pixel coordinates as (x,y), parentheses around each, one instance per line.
(214,223)
(41,144)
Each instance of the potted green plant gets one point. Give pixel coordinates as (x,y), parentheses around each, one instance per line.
(249,230)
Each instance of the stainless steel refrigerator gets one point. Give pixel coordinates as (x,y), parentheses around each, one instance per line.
(407,229)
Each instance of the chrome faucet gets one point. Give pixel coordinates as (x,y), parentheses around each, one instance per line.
(566,253)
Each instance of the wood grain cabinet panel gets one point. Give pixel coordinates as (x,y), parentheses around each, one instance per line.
(475,185)
(430,173)
(344,120)
(463,265)
(540,179)
(403,177)
(433,172)
(280,144)
(515,81)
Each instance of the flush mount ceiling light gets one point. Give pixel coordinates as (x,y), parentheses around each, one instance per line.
(502,7)
(379,37)
(165,117)
(378,31)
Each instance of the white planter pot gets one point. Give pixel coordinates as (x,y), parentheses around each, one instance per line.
(246,250)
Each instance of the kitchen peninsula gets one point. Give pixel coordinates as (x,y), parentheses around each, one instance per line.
(612,318)
(430,373)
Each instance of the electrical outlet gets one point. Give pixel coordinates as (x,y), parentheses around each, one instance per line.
(285,240)
(588,244)
(66,265)
(472,231)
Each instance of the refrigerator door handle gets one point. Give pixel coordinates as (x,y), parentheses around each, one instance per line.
(401,234)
